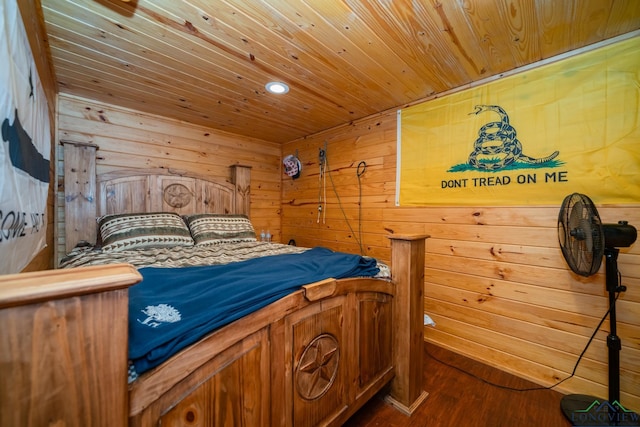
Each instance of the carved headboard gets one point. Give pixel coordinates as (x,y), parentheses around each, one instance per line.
(158,191)
(129,191)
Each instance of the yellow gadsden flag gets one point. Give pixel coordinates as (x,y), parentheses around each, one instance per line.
(531,138)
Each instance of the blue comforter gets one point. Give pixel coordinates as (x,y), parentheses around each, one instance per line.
(172,308)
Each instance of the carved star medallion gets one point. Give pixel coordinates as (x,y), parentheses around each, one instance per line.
(318,367)
(177,195)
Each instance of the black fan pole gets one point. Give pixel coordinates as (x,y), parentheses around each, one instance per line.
(572,405)
(613,341)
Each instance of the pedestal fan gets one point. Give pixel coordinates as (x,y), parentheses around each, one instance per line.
(584,240)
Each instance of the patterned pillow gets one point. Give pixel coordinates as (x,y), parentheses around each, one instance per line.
(211,229)
(122,232)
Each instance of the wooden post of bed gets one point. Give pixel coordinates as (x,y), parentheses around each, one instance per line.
(407,267)
(63,346)
(241,178)
(79,193)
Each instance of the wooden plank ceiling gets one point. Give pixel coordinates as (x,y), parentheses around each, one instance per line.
(207,61)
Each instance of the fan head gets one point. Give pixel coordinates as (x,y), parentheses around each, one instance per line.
(620,235)
(580,234)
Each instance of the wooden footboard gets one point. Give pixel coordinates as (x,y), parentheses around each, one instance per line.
(311,358)
(297,362)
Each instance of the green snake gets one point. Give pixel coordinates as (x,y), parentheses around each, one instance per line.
(497,146)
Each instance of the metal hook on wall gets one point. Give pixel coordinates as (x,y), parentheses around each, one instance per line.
(322,183)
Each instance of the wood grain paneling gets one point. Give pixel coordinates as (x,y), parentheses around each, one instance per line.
(228,390)
(80,195)
(207,62)
(62,362)
(496,283)
(131,139)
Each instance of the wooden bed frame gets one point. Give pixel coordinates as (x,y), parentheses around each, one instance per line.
(312,358)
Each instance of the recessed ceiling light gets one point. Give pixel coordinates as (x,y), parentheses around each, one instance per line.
(277,87)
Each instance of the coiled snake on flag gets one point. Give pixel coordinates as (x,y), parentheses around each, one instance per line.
(497,146)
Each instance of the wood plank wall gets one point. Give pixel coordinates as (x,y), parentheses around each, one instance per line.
(130,139)
(496,283)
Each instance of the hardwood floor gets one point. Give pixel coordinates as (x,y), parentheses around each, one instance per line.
(459,400)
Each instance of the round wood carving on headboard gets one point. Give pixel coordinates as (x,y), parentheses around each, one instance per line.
(177,195)
(318,367)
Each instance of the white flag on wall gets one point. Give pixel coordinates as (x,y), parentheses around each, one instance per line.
(24,148)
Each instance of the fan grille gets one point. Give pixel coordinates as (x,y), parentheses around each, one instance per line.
(580,234)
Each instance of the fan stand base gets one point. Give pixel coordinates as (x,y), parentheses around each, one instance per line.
(575,408)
